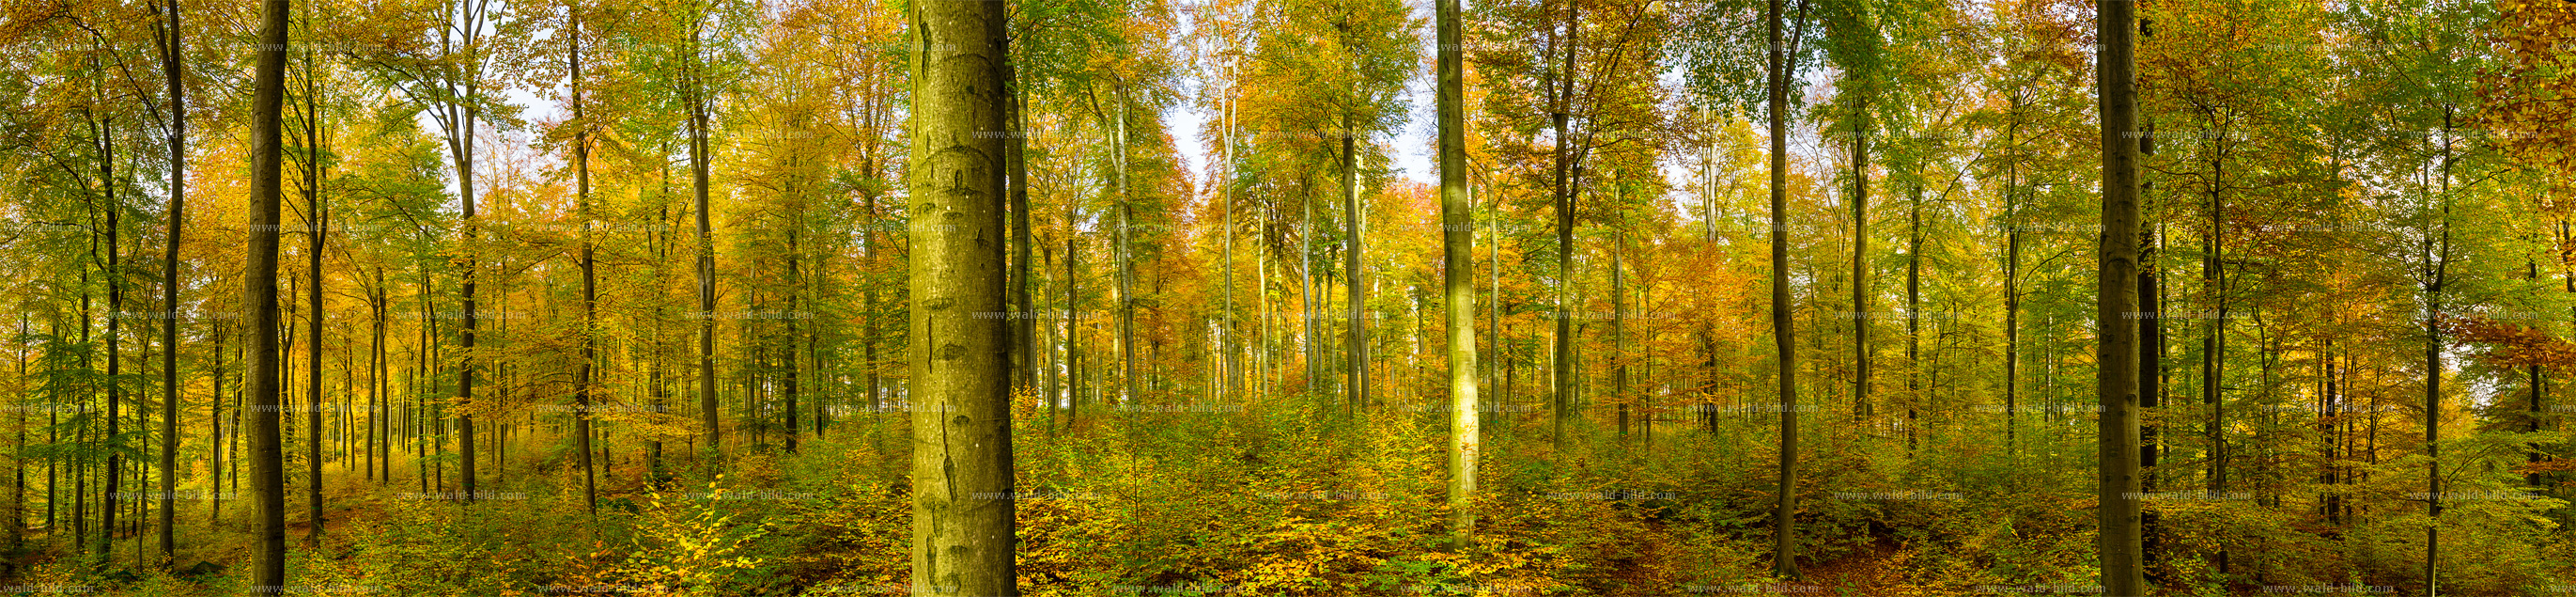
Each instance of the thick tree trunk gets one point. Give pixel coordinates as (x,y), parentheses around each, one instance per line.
(1458,267)
(259,290)
(963,535)
(2117,296)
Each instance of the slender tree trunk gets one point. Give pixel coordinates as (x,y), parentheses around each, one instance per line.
(2012,317)
(2436,259)
(1306,297)
(18,464)
(219,458)
(706,256)
(115,274)
(1015,169)
(1229,341)
(1861,409)
(2151,349)
(1126,263)
(589,281)
(1354,278)
(1784,544)
(2213,341)
(313,350)
(1619,325)
(963,531)
(316,237)
(1563,388)
(1073,315)
(1913,317)
(172,73)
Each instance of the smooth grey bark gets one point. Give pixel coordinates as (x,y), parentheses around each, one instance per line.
(962,487)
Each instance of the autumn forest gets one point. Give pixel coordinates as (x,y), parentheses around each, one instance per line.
(1076,298)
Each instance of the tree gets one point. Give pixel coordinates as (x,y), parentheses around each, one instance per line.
(589,268)
(168,41)
(2117,297)
(1458,267)
(963,531)
(1783,337)
(259,297)
(317,228)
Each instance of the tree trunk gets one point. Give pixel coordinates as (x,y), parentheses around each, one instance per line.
(313,356)
(2438,262)
(2117,376)
(706,256)
(1784,543)
(1861,409)
(2151,349)
(1913,316)
(1229,342)
(589,282)
(1126,262)
(1563,192)
(172,75)
(1015,169)
(1306,297)
(259,276)
(1352,279)
(115,274)
(1457,258)
(1072,314)
(963,521)
(317,236)
(1619,325)
(2012,309)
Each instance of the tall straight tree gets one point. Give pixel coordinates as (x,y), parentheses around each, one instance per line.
(114,273)
(963,518)
(1353,276)
(2116,298)
(172,70)
(589,271)
(316,235)
(1561,88)
(1784,338)
(1458,270)
(259,297)
(694,97)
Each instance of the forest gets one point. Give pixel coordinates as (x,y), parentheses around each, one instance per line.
(1082,298)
